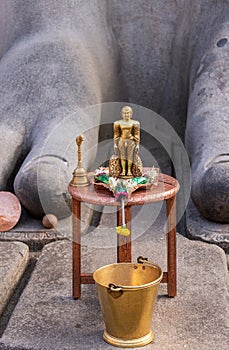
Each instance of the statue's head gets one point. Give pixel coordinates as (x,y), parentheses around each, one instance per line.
(126,113)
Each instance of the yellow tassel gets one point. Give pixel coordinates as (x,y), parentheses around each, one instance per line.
(122,230)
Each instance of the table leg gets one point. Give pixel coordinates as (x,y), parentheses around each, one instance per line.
(76,249)
(124,242)
(171,245)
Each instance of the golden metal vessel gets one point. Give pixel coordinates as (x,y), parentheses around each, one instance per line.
(127,294)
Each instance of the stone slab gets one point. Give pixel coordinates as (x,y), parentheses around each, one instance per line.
(31,231)
(47,318)
(13,260)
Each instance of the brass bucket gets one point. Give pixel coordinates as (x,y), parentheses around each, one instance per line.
(127,294)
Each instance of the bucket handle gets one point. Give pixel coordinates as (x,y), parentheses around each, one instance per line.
(114,290)
(142,260)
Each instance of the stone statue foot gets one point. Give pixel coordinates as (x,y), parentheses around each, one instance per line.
(210,190)
(41,185)
(199,228)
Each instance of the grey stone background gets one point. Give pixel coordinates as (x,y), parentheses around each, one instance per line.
(59,57)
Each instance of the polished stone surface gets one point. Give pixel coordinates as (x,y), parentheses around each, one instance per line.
(96,194)
(10,210)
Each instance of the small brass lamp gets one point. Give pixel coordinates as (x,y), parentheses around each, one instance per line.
(80,177)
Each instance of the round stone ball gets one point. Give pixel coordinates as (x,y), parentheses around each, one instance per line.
(10,211)
(49,221)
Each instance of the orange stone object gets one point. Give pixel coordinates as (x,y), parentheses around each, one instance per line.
(10,210)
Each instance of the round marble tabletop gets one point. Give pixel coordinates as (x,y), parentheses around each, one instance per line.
(167,187)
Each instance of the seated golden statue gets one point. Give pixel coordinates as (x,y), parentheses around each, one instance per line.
(125,162)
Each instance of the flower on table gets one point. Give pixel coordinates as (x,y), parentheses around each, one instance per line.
(101,171)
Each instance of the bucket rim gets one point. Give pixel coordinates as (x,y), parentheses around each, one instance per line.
(142,286)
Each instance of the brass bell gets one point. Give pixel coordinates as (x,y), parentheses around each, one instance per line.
(80,177)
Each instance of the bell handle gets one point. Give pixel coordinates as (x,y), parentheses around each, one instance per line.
(79,140)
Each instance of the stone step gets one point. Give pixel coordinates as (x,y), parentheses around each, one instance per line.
(47,317)
(13,260)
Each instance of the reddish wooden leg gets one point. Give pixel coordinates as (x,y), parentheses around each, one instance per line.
(124,242)
(76,249)
(171,245)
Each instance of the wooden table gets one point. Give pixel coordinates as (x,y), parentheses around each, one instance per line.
(166,190)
